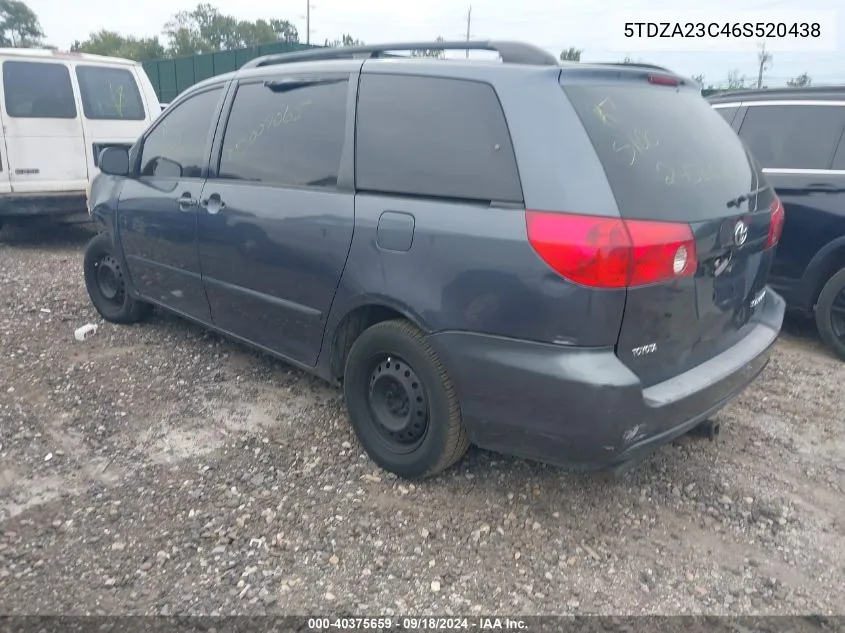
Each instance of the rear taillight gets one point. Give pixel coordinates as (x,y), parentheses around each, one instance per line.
(612,252)
(778,215)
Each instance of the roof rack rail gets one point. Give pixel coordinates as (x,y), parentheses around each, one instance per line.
(510,52)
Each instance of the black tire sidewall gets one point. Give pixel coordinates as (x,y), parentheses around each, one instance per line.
(98,247)
(824,315)
(379,340)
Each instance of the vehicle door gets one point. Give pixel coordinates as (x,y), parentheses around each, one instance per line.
(112,106)
(42,128)
(5,182)
(795,144)
(276,221)
(157,211)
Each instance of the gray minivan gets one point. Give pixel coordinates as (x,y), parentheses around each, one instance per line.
(561,262)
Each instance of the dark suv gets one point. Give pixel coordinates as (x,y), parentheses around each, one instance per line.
(798,137)
(566,263)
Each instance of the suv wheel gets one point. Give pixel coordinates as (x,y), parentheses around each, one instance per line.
(106,285)
(401,402)
(830,313)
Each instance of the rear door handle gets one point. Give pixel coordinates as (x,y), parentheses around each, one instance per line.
(186,201)
(214,204)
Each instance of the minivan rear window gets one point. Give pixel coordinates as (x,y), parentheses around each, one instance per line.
(667,154)
(109,93)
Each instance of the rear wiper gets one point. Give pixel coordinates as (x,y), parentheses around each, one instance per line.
(735,202)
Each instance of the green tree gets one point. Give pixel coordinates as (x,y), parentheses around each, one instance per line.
(345,40)
(19,26)
(571,54)
(206,30)
(438,53)
(801,81)
(113,44)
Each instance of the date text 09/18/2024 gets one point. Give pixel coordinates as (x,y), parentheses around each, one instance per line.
(417,624)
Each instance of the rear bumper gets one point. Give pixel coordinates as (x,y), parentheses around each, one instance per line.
(27,205)
(584,408)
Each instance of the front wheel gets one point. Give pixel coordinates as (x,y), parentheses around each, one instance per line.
(401,403)
(830,314)
(106,284)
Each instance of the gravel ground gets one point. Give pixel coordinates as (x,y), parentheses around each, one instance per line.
(159,469)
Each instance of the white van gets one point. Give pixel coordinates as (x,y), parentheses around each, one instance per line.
(58,111)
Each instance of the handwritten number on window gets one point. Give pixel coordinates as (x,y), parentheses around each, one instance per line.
(288,114)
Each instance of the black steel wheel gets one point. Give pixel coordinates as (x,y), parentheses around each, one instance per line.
(401,403)
(830,314)
(110,281)
(398,403)
(106,283)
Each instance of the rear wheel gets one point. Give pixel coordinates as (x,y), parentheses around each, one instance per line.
(830,314)
(401,402)
(106,285)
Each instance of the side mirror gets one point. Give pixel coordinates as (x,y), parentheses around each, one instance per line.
(114,161)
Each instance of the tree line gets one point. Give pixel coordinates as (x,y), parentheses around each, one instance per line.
(205,29)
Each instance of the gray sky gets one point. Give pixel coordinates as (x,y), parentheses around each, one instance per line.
(548,23)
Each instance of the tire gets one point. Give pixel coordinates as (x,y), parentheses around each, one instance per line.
(411,444)
(830,314)
(106,285)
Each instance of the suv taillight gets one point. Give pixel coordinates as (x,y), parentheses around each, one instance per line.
(612,252)
(778,215)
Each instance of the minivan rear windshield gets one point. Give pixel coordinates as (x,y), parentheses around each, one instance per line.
(666,153)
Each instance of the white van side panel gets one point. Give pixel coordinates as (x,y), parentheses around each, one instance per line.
(42,126)
(113,105)
(149,93)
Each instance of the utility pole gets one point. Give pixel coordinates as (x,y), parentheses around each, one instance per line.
(764,59)
(469,25)
(308,22)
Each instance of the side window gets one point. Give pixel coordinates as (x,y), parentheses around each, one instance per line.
(38,90)
(728,114)
(793,136)
(434,137)
(176,147)
(109,93)
(286,133)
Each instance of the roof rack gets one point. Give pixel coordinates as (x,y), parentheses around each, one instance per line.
(510,52)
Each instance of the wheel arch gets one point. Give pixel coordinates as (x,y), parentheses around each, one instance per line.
(357,317)
(826,263)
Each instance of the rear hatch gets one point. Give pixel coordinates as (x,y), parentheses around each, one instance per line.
(701,218)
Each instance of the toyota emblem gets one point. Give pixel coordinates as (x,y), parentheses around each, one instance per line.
(740,233)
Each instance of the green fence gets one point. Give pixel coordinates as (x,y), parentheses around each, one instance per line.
(171,76)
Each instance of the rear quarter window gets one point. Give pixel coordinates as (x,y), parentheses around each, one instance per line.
(434,137)
(109,94)
(667,154)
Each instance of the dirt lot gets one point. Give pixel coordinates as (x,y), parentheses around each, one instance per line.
(161,469)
